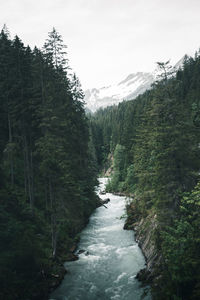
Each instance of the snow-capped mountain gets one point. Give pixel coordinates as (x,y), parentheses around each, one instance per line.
(129,88)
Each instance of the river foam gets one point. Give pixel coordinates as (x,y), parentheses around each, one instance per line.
(111,259)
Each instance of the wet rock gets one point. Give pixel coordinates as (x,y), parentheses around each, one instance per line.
(72,257)
(128,226)
(119,194)
(73,248)
(80,251)
(103,202)
(106,200)
(144,276)
(102,193)
(145,230)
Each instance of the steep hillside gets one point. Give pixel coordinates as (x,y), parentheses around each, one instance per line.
(155,145)
(46,172)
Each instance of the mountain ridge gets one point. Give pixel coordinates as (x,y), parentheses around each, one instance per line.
(127,89)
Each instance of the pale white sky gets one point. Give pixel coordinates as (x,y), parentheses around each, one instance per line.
(109,39)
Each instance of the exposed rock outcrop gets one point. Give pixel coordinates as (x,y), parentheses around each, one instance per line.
(145,234)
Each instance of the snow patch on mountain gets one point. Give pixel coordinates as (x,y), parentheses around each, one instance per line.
(129,88)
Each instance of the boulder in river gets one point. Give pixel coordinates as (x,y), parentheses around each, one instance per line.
(80,251)
(106,200)
(103,201)
(102,193)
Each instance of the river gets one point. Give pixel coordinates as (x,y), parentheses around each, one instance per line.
(107,269)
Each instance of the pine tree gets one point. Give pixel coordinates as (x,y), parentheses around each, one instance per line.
(54,50)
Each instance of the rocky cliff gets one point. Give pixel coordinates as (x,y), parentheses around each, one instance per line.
(145,229)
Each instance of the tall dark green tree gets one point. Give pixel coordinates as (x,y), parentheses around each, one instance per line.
(159,133)
(47,178)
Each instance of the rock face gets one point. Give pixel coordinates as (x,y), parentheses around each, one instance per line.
(145,234)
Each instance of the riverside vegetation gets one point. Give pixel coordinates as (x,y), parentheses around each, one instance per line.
(47,173)
(154,140)
(49,156)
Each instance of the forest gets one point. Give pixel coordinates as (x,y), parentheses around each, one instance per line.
(51,153)
(154,143)
(47,175)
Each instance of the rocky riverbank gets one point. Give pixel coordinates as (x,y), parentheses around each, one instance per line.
(145,234)
(58,271)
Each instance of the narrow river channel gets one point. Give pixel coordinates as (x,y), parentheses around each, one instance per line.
(107,268)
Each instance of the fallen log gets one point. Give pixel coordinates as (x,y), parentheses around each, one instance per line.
(103,202)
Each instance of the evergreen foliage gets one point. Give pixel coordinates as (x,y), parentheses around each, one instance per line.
(46,173)
(159,134)
(50,154)
(116,182)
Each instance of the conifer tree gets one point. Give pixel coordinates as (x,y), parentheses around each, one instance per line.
(54,50)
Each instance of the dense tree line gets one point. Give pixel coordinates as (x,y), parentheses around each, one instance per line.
(155,143)
(46,174)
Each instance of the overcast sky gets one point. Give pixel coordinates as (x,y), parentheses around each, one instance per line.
(109,39)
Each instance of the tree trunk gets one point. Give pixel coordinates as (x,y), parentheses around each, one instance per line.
(28,174)
(25,175)
(32,179)
(54,233)
(46,195)
(10,151)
